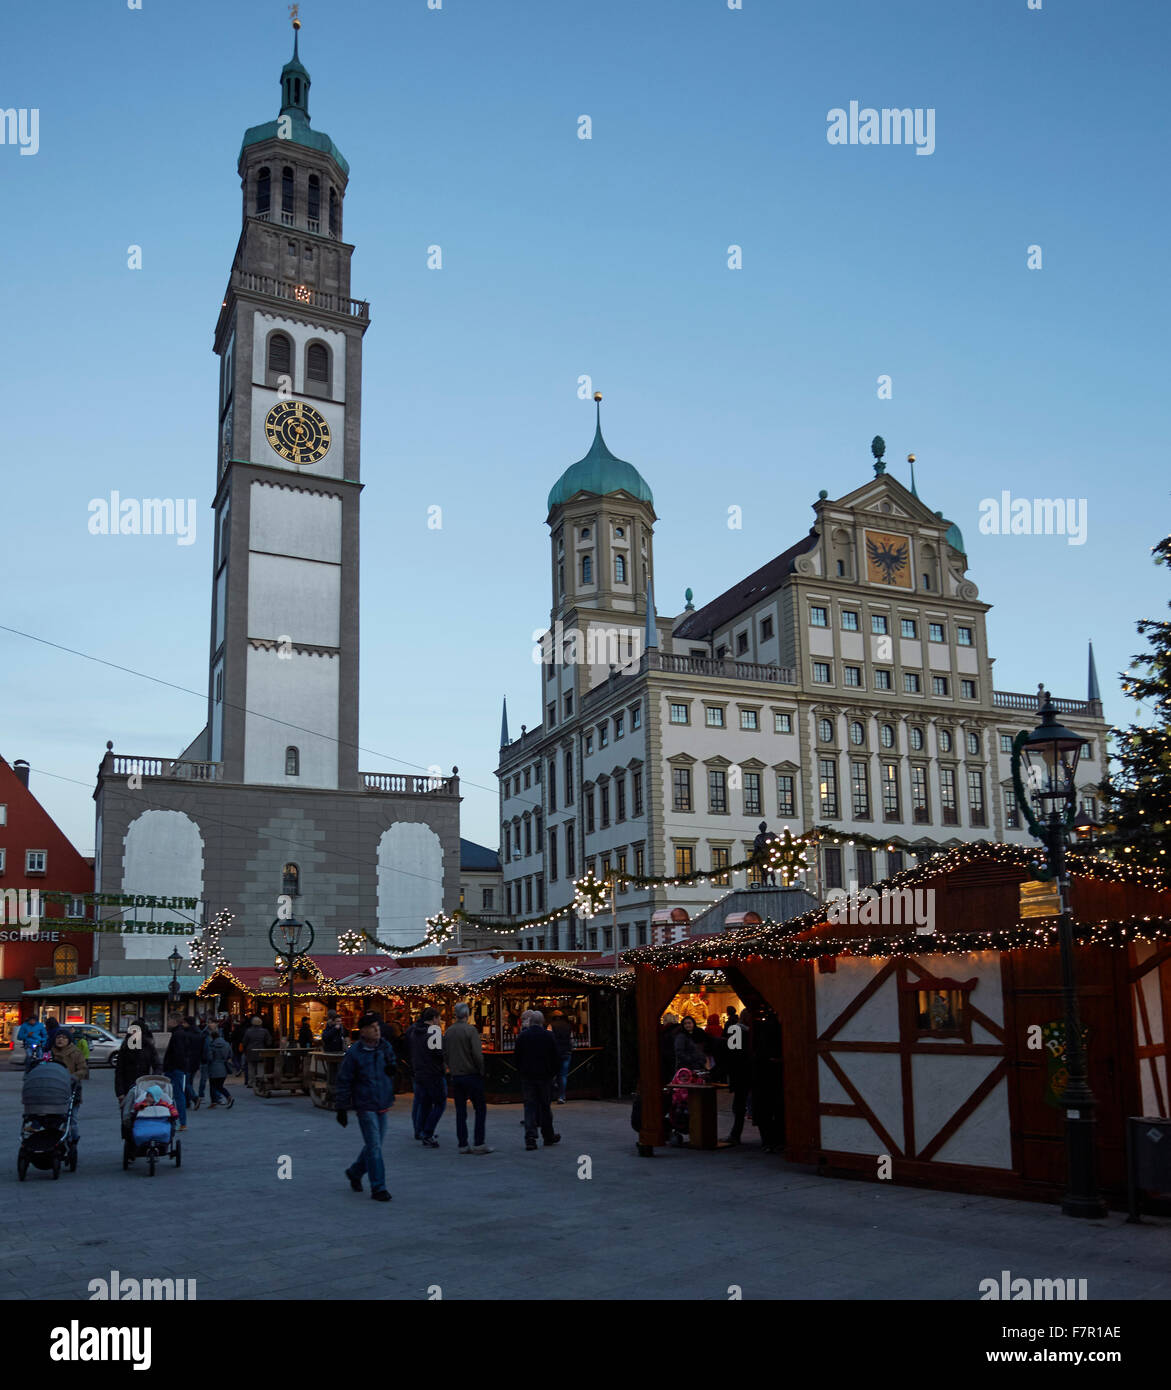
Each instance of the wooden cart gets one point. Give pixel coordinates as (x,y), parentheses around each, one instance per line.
(277,1071)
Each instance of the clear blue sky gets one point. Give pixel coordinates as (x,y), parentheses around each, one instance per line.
(564,257)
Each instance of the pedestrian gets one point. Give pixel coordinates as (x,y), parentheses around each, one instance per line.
(239,1028)
(70,1057)
(137,1057)
(195,1058)
(562,1033)
(425,1038)
(535,1058)
(464,1055)
(305,1033)
(51,1026)
(35,1039)
(738,1068)
(689,1049)
(183,1049)
(204,1059)
(219,1059)
(365,1081)
(254,1036)
(332,1037)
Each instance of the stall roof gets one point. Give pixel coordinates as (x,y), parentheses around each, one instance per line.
(109,986)
(479,972)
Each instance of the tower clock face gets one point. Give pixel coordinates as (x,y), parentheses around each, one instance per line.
(297,432)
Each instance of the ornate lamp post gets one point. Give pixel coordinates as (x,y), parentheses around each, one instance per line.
(175,960)
(1051,753)
(291,939)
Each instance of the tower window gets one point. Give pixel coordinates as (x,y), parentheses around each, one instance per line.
(292,762)
(620,569)
(317,363)
(297,92)
(587,569)
(314,203)
(263,192)
(291,880)
(280,354)
(287,189)
(333,211)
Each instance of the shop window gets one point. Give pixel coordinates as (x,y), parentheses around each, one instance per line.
(940,1008)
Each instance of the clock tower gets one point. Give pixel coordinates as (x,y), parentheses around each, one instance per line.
(283,661)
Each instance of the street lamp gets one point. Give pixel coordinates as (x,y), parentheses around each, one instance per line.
(1050,753)
(174,987)
(296,940)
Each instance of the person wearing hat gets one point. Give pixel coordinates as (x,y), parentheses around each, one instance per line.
(65,1052)
(365,1082)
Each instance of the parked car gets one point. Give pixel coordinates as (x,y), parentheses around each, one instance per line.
(103,1045)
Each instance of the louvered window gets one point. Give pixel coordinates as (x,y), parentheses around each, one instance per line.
(263,191)
(280,354)
(286,189)
(317,363)
(314,201)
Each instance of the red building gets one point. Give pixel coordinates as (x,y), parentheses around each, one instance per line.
(37,859)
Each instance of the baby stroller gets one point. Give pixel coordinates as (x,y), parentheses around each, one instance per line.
(149,1121)
(45,1134)
(678,1110)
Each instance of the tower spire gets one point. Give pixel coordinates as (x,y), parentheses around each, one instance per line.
(1092,691)
(295,76)
(504,740)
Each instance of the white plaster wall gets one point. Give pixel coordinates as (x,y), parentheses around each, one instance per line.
(301,333)
(300,599)
(163,856)
(300,690)
(410,881)
(968,658)
(283,521)
(988,996)
(877,1076)
(830,1090)
(1149,984)
(940,1085)
(819,642)
(876,1021)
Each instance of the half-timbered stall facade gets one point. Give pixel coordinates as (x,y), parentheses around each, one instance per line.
(919,1028)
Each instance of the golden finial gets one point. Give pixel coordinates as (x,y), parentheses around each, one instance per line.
(910,458)
(597,395)
(294,10)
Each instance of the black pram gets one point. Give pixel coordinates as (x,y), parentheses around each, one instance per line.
(47,1136)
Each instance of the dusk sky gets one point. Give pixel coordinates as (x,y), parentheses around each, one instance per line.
(564,258)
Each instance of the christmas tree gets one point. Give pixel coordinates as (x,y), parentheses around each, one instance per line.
(1138,790)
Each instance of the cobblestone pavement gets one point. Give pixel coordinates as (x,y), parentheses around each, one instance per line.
(514,1224)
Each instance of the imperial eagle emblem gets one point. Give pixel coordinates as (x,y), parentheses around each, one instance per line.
(888,558)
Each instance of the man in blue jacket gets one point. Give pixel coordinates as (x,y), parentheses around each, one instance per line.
(535,1058)
(365,1082)
(32,1033)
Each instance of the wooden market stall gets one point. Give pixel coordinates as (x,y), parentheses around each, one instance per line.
(942,1050)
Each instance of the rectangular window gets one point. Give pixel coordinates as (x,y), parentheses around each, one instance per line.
(749,719)
(551,786)
(717,791)
(75,908)
(849,621)
(852,675)
(569,705)
(553,855)
(636,791)
(894,862)
(865,859)
(528,778)
(878,624)
(589,744)
(821,672)
(34,861)
(487,900)
(605,867)
(752,804)
(766,629)
(589,812)
(528,895)
(860,790)
(935,632)
(786,800)
(1012,813)
(890,791)
(639,860)
(782,723)
(603,734)
(947,796)
(528,837)
(907,628)
(569,778)
(968,690)
(920,806)
(620,797)
(963,636)
(619,726)
(939,685)
(818,617)
(719,861)
(976,814)
(604,792)
(681,788)
(621,868)
(684,860)
(570,851)
(636,716)
(552,713)
(882,680)
(833,868)
(714,716)
(679,714)
(911,683)
(1006,743)
(741,643)
(828,785)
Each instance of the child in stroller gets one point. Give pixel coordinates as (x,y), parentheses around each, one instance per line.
(45,1135)
(149,1117)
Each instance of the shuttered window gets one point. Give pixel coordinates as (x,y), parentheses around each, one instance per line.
(317,363)
(263,191)
(280,354)
(286,189)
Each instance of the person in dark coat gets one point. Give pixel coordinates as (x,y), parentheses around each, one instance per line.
(536,1060)
(51,1026)
(768,1092)
(137,1056)
(425,1039)
(219,1060)
(184,1049)
(333,1039)
(737,1062)
(255,1035)
(562,1032)
(305,1034)
(689,1049)
(365,1081)
(667,1033)
(236,1039)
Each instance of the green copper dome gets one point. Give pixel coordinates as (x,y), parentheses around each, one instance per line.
(955,537)
(295,82)
(600,473)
